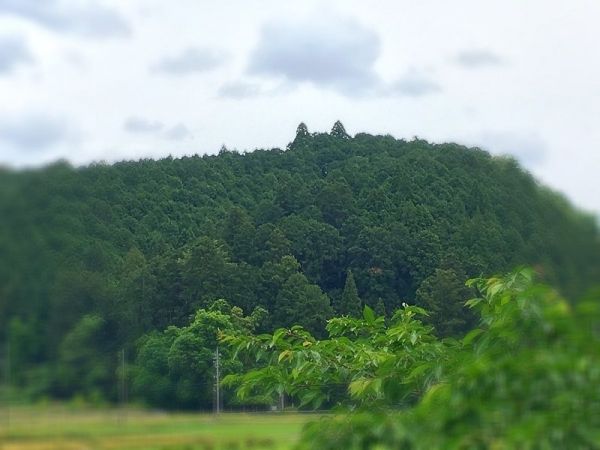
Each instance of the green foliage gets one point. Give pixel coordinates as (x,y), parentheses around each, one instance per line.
(336,202)
(380,309)
(364,357)
(350,304)
(143,245)
(338,131)
(443,294)
(83,367)
(239,232)
(301,133)
(205,271)
(175,368)
(300,302)
(527,377)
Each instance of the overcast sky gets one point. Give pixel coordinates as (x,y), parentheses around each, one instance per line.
(110,80)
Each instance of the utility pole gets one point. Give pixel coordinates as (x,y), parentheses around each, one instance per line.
(123,387)
(218,380)
(7,397)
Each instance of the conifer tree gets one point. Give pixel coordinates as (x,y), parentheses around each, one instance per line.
(302,131)
(301,303)
(301,134)
(442,294)
(379,309)
(350,304)
(339,131)
(278,245)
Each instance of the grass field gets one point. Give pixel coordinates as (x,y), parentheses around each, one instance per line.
(65,428)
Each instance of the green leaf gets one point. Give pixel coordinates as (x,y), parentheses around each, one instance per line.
(473,302)
(471,335)
(413,338)
(376,386)
(368,314)
(357,387)
(276,336)
(284,354)
(418,371)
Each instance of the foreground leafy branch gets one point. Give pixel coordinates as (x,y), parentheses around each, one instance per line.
(527,377)
(364,361)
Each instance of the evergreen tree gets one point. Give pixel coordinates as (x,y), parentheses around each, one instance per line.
(339,131)
(205,268)
(301,135)
(443,294)
(302,131)
(238,232)
(350,304)
(301,303)
(379,309)
(277,245)
(335,202)
(136,294)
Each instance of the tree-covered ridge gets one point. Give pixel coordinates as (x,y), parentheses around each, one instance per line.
(118,251)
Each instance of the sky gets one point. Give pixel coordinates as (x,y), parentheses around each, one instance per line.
(91,81)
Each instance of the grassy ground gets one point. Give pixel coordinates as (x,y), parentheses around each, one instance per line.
(64,428)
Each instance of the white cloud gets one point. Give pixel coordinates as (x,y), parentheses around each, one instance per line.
(35,132)
(86,18)
(527,146)
(413,84)
(239,90)
(333,52)
(13,52)
(476,58)
(191,60)
(141,125)
(178,132)
(329,52)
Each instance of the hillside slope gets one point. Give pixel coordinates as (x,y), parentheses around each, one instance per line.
(141,245)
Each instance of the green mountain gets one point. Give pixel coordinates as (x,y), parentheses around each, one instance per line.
(93,258)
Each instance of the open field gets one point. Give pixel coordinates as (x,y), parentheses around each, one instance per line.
(65,428)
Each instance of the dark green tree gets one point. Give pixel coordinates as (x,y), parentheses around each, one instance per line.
(443,294)
(277,246)
(136,295)
(86,361)
(302,131)
(336,202)
(350,304)
(379,308)
(239,232)
(205,269)
(339,131)
(176,368)
(301,303)
(151,378)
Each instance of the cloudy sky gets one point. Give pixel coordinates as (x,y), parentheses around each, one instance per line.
(110,80)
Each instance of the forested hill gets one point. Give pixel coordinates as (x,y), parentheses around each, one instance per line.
(328,224)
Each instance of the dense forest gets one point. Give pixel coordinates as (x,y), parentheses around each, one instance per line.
(150,258)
